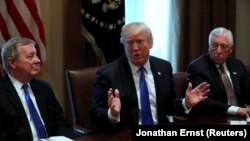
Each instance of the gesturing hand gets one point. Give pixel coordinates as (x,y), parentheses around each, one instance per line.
(114,102)
(196,95)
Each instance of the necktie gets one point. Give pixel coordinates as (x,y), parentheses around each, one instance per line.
(34,115)
(146,114)
(229,88)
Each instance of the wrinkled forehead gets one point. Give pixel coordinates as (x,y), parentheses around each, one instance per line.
(222,38)
(26,48)
(26,45)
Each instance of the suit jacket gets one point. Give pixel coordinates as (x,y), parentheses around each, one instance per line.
(14,124)
(204,69)
(118,75)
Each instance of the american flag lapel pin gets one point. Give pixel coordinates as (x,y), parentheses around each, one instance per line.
(159,73)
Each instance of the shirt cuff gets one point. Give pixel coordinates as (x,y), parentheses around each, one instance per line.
(112,119)
(232,110)
(185,107)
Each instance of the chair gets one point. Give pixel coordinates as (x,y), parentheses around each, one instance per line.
(180,84)
(80,85)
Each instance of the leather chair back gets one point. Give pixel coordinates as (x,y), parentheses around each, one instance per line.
(80,84)
(180,83)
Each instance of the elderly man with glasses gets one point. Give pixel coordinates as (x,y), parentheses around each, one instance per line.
(227,76)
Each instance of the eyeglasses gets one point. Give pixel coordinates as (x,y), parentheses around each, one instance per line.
(222,46)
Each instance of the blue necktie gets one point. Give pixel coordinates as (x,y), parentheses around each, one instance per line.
(146,114)
(34,115)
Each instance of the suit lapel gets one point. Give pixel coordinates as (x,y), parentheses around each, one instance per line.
(235,79)
(216,75)
(157,77)
(39,100)
(158,72)
(15,101)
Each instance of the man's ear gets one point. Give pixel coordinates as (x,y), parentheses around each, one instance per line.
(12,62)
(231,49)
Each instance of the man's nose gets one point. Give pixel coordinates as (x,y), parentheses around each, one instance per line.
(219,49)
(37,60)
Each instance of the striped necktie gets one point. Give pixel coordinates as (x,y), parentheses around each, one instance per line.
(228,86)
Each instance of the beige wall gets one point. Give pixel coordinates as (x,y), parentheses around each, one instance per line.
(52,11)
(243,31)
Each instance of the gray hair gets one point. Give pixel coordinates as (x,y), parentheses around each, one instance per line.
(134,28)
(9,49)
(219,32)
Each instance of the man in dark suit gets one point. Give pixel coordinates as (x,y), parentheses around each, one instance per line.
(21,65)
(116,99)
(206,69)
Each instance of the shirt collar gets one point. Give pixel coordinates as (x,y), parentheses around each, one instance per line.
(135,68)
(17,84)
(224,65)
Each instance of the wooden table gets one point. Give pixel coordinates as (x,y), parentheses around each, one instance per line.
(209,120)
(178,122)
(123,135)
